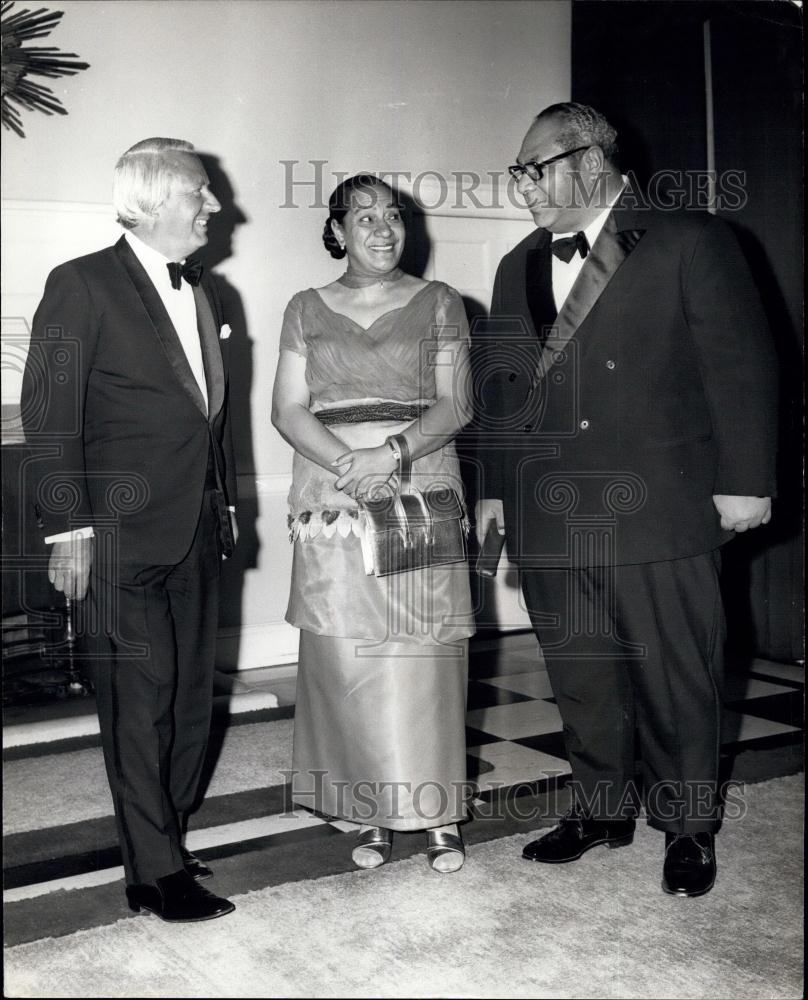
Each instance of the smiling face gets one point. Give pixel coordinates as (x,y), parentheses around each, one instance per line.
(372,230)
(180,225)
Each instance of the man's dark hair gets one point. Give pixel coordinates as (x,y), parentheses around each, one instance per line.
(582,125)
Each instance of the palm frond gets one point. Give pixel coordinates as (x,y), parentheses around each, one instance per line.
(19,63)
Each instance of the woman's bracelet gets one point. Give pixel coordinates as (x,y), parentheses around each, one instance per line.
(395,450)
(401,449)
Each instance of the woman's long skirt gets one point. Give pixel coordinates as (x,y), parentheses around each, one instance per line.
(379,731)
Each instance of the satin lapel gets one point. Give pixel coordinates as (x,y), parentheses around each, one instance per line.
(539,287)
(211,354)
(610,250)
(163,326)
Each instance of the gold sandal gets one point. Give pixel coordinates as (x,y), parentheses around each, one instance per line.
(373,847)
(444,850)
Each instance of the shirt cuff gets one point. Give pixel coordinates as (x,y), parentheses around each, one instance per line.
(67,536)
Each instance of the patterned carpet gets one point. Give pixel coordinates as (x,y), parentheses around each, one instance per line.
(61,863)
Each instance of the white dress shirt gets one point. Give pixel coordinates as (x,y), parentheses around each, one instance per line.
(181,309)
(180,306)
(565,273)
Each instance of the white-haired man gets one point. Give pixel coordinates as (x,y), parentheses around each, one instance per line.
(126,380)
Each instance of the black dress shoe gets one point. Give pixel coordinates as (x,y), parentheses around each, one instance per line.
(690,867)
(574,836)
(177,898)
(196,869)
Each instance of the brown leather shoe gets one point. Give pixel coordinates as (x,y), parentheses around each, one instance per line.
(196,869)
(177,898)
(574,836)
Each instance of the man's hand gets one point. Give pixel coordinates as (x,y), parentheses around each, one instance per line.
(741,513)
(486,511)
(69,567)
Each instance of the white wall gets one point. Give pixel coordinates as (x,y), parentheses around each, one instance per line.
(407,85)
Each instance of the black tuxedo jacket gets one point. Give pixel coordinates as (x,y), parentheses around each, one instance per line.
(607,429)
(116,418)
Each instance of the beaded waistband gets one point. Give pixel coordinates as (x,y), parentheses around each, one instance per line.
(370,411)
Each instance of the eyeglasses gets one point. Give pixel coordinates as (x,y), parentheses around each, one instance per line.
(534,170)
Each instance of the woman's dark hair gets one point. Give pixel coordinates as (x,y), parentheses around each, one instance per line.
(338,205)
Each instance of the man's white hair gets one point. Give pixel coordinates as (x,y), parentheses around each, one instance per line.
(143,178)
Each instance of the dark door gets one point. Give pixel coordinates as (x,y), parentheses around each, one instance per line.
(692,85)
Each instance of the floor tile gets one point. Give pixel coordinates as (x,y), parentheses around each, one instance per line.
(524,718)
(508,642)
(738,687)
(475,737)
(535,684)
(476,766)
(482,695)
(514,764)
(785,671)
(551,744)
(739,727)
(786,708)
(496,664)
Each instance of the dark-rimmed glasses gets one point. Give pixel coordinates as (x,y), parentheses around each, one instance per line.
(534,170)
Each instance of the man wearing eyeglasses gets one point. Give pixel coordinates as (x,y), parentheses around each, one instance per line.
(628,432)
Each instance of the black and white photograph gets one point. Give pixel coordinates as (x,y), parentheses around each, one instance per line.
(403,498)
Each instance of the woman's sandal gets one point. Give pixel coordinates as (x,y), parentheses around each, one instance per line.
(444,849)
(373,847)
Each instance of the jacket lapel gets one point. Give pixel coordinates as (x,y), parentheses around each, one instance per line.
(611,248)
(211,354)
(614,244)
(163,326)
(539,286)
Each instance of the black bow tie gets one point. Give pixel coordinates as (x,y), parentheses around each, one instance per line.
(565,248)
(191,271)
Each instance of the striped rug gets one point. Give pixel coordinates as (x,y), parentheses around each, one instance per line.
(62,874)
(501,927)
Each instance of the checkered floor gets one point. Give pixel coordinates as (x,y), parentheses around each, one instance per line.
(514,741)
(513,723)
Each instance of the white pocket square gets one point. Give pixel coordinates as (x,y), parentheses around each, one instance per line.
(225,332)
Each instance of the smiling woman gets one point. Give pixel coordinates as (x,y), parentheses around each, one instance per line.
(375,355)
(365,224)
(369,229)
